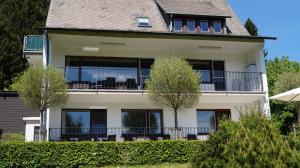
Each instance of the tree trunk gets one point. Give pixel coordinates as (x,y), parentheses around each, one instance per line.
(175,116)
(42,131)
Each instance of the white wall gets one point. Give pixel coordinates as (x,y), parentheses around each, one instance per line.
(186,117)
(29,128)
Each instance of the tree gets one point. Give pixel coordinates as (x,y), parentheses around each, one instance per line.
(285,112)
(174,84)
(42,88)
(286,82)
(251,27)
(18,18)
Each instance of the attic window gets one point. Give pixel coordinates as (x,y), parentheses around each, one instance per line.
(143,22)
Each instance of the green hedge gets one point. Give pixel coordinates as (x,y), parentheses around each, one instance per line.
(95,154)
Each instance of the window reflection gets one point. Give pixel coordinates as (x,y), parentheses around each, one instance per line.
(206,122)
(141,121)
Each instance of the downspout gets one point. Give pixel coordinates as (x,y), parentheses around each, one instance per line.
(47,48)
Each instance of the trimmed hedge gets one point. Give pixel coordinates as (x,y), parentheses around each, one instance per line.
(95,154)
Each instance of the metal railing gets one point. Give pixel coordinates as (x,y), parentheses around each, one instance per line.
(133,79)
(128,134)
(33,43)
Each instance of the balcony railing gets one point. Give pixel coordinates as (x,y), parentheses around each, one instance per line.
(33,43)
(127,134)
(132,79)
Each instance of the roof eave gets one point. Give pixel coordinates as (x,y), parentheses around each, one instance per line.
(146,34)
(200,15)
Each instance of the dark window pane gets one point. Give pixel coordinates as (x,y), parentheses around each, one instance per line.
(98,121)
(191,25)
(204,26)
(218,27)
(155,122)
(177,24)
(76,121)
(206,121)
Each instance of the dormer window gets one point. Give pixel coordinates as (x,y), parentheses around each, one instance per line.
(217,27)
(177,25)
(191,25)
(204,26)
(143,22)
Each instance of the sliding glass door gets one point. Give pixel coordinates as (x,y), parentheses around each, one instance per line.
(141,121)
(80,123)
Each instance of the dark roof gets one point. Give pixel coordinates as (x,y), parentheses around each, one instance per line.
(121,15)
(193,7)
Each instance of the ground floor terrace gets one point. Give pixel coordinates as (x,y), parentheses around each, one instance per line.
(113,116)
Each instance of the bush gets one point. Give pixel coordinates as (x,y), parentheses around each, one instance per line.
(95,154)
(10,137)
(255,141)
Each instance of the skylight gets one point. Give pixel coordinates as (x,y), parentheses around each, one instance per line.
(143,22)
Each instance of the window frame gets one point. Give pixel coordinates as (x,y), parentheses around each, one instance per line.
(181,27)
(140,24)
(216,114)
(215,27)
(208,27)
(147,119)
(194,23)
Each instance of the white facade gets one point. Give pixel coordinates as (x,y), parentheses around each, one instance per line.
(238,56)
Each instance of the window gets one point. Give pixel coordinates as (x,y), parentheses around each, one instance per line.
(84,121)
(141,121)
(143,22)
(204,26)
(208,120)
(191,25)
(217,26)
(177,25)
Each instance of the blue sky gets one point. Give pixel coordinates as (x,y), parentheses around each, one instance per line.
(277,18)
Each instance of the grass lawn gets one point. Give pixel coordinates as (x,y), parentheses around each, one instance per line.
(164,165)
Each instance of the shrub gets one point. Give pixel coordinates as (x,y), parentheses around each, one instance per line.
(255,141)
(13,137)
(95,154)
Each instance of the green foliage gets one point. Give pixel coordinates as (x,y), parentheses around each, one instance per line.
(174,84)
(42,88)
(287,81)
(12,137)
(255,141)
(284,112)
(95,154)
(251,27)
(18,18)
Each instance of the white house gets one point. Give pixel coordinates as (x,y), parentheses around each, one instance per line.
(106,49)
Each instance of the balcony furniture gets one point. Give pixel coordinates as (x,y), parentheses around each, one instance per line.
(80,84)
(110,83)
(100,84)
(121,85)
(131,83)
(191,137)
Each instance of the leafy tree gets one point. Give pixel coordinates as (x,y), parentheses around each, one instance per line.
(284,112)
(174,84)
(17,19)
(42,88)
(254,141)
(251,27)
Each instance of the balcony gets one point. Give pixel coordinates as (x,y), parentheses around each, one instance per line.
(33,43)
(132,79)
